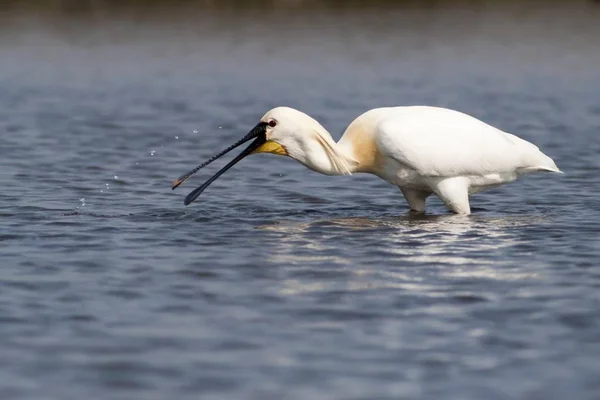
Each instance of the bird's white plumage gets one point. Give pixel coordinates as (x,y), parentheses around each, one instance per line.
(444,143)
(422,150)
(428,150)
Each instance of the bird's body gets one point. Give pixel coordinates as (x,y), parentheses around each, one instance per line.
(425,150)
(422,150)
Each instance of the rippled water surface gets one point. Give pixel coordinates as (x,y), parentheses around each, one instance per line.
(279,283)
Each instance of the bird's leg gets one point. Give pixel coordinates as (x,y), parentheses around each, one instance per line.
(454,192)
(416,199)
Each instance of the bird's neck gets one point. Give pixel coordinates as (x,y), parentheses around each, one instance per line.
(322,154)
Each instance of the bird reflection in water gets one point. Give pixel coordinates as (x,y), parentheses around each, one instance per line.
(423,253)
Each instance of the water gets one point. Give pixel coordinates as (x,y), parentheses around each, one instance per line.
(279,282)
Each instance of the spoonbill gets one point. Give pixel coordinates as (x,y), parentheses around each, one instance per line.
(423,150)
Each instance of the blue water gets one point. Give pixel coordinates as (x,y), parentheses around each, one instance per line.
(280,283)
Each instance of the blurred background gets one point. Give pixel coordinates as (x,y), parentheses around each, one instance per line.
(279,283)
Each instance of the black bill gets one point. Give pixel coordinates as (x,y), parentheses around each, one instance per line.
(258,133)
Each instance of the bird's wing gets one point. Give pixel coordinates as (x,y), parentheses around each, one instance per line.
(441,142)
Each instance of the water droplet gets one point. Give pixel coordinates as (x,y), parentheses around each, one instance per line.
(116,177)
(195,130)
(220,127)
(152,152)
(176,137)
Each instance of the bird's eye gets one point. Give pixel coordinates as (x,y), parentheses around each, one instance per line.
(272,123)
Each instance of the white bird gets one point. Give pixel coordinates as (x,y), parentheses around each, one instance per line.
(422,150)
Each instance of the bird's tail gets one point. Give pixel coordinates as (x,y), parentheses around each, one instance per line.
(541,162)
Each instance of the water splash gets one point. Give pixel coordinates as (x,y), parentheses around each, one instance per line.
(82,201)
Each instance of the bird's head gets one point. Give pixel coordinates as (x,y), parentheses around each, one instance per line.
(282,131)
(289,132)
